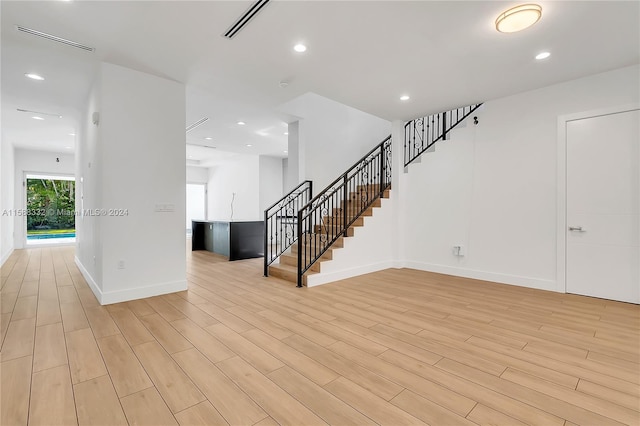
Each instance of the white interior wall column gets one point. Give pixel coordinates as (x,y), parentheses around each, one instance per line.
(397,195)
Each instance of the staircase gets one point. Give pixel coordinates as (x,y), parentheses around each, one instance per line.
(303,235)
(287,269)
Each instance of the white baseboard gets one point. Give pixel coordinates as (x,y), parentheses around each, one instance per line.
(109,297)
(5,257)
(518,280)
(328,277)
(89,279)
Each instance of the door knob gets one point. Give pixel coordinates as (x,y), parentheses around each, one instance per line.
(577,229)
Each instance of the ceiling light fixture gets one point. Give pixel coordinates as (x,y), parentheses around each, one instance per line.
(72,134)
(38,112)
(35,117)
(543,55)
(249,145)
(34,76)
(208,138)
(54,38)
(241,123)
(286,133)
(518,18)
(197,123)
(243,20)
(404,98)
(300,48)
(286,152)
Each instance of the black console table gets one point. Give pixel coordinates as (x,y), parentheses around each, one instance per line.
(236,240)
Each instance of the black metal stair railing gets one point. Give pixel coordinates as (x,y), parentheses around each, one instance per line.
(328,216)
(280,222)
(422,133)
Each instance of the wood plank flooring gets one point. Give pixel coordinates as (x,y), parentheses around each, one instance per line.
(397,347)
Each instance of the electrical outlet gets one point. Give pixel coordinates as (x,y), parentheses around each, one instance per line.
(458,250)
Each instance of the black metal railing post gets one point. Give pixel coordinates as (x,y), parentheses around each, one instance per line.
(382,173)
(444,126)
(266,243)
(300,247)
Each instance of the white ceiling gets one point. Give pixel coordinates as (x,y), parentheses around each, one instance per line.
(361,53)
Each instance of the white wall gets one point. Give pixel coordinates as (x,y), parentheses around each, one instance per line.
(492,187)
(270,181)
(197,174)
(240,176)
(330,138)
(29,161)
(141,253)
(7,182)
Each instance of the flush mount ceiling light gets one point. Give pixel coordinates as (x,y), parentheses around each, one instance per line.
(54,38)
(197,123)
(241,123)
(518,18)
(34,76)
(249,145)
(404,98)
(300,48)
(208,138)
(38,113)
(543,55)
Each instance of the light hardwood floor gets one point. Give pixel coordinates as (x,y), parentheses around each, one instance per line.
(395,347)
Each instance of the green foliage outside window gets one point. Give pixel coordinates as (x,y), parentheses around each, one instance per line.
(50,204)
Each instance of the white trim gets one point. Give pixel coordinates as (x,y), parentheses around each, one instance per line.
(561,190)
(6,256)
(518,280)
(130,293)
(143,292)
(89,279)
(329,277)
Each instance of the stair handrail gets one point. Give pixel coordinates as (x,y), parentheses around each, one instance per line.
(280,230)
(419,137)
(366,179)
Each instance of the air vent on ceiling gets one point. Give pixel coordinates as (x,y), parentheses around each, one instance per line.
(54,38)
(39,112)
(245,18)
(197,123)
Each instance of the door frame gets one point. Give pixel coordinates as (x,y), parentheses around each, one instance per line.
(561,174)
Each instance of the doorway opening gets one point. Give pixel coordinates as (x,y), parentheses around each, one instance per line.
(50,209)
(196,203)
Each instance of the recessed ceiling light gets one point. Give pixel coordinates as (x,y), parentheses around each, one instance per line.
(35,117)
(518,18)
(241,123)
(249,145)
(300,48)
(34,76)
(286,133)
(72,134)
(208,138)
(543,55)
(404,98)
(286,152)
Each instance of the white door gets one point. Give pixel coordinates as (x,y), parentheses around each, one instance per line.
(603,214)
